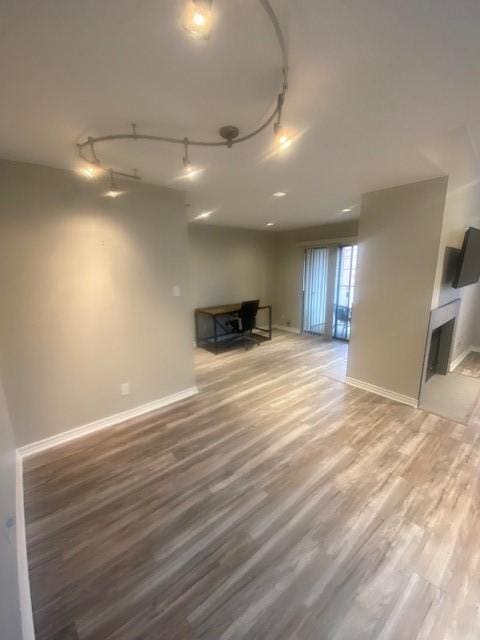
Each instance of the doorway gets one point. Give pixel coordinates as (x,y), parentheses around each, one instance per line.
(328,289)
(344,290)
(315,287)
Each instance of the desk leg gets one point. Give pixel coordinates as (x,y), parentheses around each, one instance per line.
(269,323)
(197,334)
(215,334)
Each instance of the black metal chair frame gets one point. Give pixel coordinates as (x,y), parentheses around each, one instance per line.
(245,317)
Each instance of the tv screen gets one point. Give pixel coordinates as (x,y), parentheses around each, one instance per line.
(469,264)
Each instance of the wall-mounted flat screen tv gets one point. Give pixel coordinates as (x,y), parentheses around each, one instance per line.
(469,261)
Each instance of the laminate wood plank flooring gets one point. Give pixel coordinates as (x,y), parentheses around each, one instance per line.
(277,504)
(470,365)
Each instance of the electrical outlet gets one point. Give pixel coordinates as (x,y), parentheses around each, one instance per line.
(125,388)
(9,526)
(176,291)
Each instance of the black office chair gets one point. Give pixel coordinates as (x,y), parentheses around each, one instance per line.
(244,324)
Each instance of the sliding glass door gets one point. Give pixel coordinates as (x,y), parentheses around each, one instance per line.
(344,290)
(315,290)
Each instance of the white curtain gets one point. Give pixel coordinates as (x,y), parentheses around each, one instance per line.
(315,290)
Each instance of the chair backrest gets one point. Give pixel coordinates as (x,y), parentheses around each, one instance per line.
(342,313)
(248,314)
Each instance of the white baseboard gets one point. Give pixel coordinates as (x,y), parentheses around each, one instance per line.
(380,391)
(454,364)
(103,423)
(26,614)
(28,632)
(284,327)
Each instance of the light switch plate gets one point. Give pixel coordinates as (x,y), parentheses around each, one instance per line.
(176,291)
(125,388)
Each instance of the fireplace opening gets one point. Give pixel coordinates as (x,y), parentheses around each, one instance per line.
(440,348)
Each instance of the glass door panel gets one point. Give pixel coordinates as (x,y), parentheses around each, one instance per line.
(315,290)
(344,291)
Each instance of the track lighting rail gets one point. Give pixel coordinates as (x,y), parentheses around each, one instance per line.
(229,133)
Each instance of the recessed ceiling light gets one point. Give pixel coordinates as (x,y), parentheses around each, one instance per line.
(270,224)
(279,194)
(113,193)
(203,215)
(347,210)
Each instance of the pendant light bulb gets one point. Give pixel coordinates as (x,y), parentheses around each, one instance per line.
(197,19)
(90,172)
(113,192)
(189,169)
(283,138)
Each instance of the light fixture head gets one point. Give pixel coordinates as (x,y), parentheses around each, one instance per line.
(190,171)
(197,19)
(114,191)
(204,215)
(347,210)
(284,140)
(188,167)
(90,172)
(279,194)
(270,224)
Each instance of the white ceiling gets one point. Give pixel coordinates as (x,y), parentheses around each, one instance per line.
(373,85)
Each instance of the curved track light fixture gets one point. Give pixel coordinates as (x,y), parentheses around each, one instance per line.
(197,22)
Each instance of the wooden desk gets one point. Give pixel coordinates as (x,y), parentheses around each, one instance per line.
(216,314)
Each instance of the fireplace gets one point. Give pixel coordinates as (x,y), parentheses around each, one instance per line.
(440,349)
(440,339)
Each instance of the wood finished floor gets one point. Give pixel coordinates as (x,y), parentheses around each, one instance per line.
(278,504)
(470,365)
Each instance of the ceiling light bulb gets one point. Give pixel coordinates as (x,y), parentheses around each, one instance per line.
(90,172)
(113,193)
(283,138)
(347,210)
(197,20)
(269,224)
(279,194)
(203,215)
(190,172)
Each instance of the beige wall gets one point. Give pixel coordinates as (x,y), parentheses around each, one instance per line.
(86,288)
(462,210)
(230,265)
(399,238)
(9,604)
(289,267)
(237,264)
